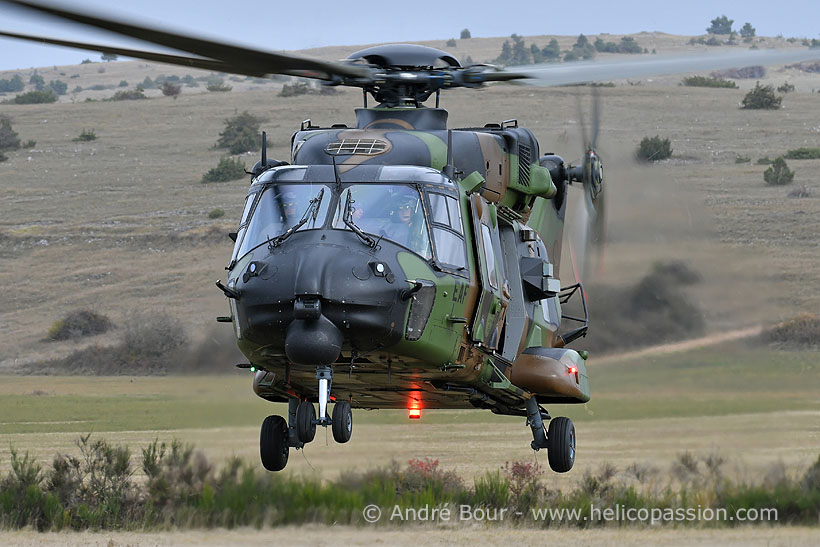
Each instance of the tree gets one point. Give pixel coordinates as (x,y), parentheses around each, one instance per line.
(13,85)
(37,81)
(170,89)
(761,98)
(8,136)
(748,31)
(721,25)
(241,134)
(108,57)
(551,50)
(778,173)
(465,34)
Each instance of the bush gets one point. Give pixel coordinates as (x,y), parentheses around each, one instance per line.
(241,134)
(812,153)
(747,31)
(77,324)
(37,81)
(8,136)
(747,72)
(761,98)
(58,86)
(778,173)
(129,95)
(36,97)
(13,85)
(3,157)
(465,34)
(785,88)
(704,81)
(654,149)
(170,89)
(227,170)
(220,87)
(720,25)
(803,330)
(764,161)
(85,135)
(123,83)
(216,213)
(148,83)
(452,42)
(742,159)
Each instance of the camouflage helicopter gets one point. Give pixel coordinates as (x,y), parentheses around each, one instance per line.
(401,263)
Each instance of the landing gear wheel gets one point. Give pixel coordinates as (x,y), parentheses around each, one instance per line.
(342,422)
(561,444)
(305,421)
(273,443)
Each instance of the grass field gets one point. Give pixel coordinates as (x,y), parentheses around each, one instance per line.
(755,406)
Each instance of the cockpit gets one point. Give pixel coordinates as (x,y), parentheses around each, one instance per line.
(416,208)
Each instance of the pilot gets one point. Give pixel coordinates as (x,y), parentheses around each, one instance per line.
(399,229)
(287,203)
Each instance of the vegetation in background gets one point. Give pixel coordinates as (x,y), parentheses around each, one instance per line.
(303,87)
(761,98)
(13,85)
(747,73)
(654,149)
(626,45)
(708,81)
(170,89)
(747,32)
(743,159)
(582,49)
(96,490)
(227,170)
(241,134)
(123,83)
(85,136)
(764,161)
(127,95)
(216,213)
(785,88)
(720,25)
(9,140)
(35,97)
(108,57)
(219,87)
(778,173)
(3,157)
(77,324)
(465,34)
(517,52)
(800,331)
(452,42)
(806,153)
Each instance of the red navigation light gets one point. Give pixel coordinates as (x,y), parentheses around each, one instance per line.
(414,413)
(573,370)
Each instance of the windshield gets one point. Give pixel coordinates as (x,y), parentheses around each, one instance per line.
(389,211)
(282,206)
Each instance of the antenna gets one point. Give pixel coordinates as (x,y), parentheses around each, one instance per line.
(264,149)
(336,172)
(449,169)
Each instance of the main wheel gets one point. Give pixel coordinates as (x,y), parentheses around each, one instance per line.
(561,444)
(305,421)
(342,422)
(273,443)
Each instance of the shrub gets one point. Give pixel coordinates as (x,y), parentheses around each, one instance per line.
(86,61)
(761,98)
(29,144)
(36,97)
(220,87)
(803,330)
(77,324)
(720,25)
(778,173)
(3,157)
(704,81)
(743,159)
(227,170)
(811,153)
(13,85)
(123,83)
(785,88)
(58,86)
(129,95)
(108,57)
(654,149)
(764,161)
(241,134)
(85,135)
(148,83)
(8,136)
(37,81)
(216,213)
(747,72)
(451,42)
(747,31)
(465,34)
(170,89)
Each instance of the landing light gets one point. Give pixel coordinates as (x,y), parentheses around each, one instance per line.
(414,413)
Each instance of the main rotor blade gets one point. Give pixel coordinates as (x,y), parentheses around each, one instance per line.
(553,74)
(193,62)
(236,58)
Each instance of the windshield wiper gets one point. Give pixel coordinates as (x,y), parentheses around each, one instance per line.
(312,211)
(348,220)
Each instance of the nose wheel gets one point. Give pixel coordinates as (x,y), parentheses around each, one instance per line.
(559,439)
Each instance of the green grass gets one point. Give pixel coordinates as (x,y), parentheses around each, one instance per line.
(707,382)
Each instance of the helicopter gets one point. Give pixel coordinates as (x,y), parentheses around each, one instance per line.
(400,263)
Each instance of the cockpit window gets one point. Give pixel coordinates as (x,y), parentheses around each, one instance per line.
(390,211)
(282,206)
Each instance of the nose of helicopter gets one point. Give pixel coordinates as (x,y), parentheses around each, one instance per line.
(312,297)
